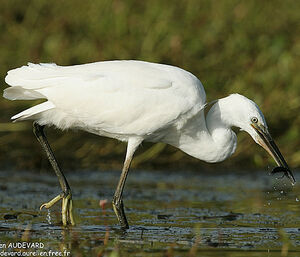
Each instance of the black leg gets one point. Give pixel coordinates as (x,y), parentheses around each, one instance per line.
(117,199)
(117,202)
(66,196)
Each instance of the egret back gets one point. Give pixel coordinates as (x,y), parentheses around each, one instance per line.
(109,98)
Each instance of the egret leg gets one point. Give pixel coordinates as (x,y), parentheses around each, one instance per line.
(117,201)
(65,196)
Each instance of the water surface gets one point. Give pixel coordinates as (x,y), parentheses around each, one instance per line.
(170,214)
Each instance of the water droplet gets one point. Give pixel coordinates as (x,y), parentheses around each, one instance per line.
(297,200)
(48,218)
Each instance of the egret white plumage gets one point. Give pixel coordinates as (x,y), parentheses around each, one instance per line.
(134,101)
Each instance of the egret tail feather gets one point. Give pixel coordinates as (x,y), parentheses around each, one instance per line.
(19,93)
(28,113)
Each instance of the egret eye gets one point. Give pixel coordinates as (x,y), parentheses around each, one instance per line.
(254,120)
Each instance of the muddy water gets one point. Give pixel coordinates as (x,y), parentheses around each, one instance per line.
(171,214)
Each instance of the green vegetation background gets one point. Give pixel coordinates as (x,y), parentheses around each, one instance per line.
(249,47)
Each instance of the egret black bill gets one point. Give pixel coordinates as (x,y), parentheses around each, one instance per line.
(267,142)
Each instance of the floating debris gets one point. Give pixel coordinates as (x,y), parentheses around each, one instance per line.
(10,216)
(164,216)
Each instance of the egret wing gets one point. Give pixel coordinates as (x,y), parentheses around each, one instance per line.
(118,97)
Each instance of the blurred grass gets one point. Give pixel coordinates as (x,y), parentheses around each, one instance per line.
(249,47)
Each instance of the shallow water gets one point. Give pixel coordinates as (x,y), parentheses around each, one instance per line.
(170,214)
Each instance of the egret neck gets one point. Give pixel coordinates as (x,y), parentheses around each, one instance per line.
(210,141)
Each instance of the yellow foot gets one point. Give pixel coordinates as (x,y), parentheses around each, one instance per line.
(66,210)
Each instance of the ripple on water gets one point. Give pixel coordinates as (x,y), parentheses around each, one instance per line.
(178,210)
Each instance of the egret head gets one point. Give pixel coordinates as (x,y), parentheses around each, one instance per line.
(241,112)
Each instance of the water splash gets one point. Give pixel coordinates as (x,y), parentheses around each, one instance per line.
(48,218)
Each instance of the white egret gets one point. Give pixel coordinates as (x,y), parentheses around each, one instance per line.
(134,101)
